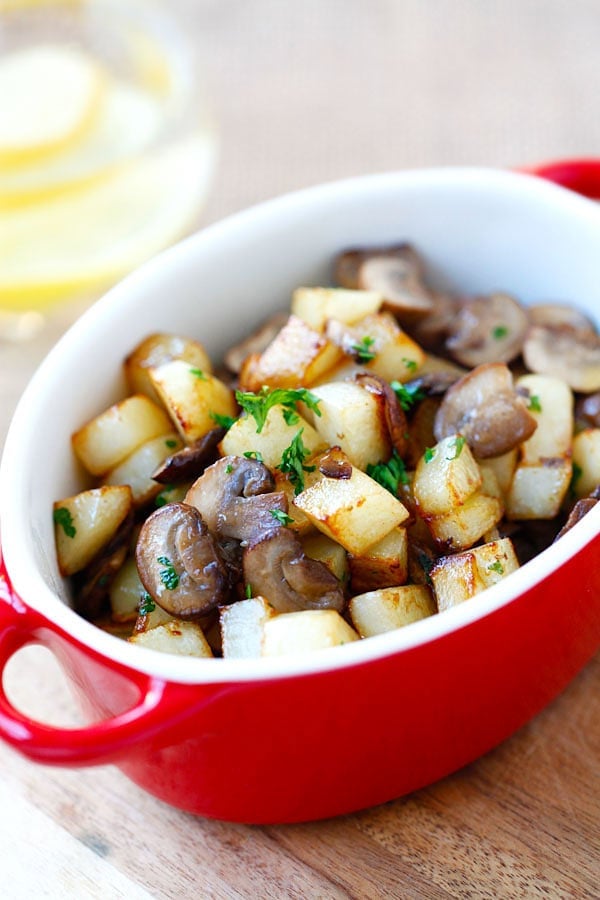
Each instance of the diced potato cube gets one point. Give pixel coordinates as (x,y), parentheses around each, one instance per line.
(397,356)
(586,461)
(353,419)
(148,620)
(376,612)
(551,404)
(445,477)
(125,592)
(300,523)
(314,305)
(466,524)
(139,466)
(537,491)
(356,512)
(190,395)
(305,631)
(111,437)
(275,437)
(503,468)
(382,565)
(86,522)
(319,546)
(242,627)
(298,355)
(420,430)
(178,637)
(157,349)
(458,578)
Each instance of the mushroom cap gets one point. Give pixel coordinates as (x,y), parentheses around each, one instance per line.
(552,315)
(277,568)
(484,407)
(189,462)
(487,329)
(572,354)
(179,562)
(588,409)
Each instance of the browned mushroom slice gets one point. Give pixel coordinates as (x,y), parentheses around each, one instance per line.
(179,562)
(189,462)
(396,272)
(258,341)
(552,315)
(487,329)
(432,330)
(335,464)
(395,418)
(485,408)
(587,410)
(91,586)
(581,509)
(276,568)
(572,354)
(236,498)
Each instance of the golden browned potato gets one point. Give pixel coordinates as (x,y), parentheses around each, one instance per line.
(137,469)
(586,461)
(384,564)
(319,546)
(376,612)
(458,578)
(192,397)
(157,349)
(242,627)
(178,637)
(275,436)
(305,631)
(85,523)
(315,305)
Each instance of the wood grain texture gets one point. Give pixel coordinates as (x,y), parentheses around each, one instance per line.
(305,93)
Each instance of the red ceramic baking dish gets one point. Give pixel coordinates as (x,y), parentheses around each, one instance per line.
(289,739)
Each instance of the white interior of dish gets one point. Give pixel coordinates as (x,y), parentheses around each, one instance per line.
(479,230)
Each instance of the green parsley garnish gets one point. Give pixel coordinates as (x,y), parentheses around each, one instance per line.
(534,403)
(147,604)
(429,454)
(362,349)
(228,469)
(168,575)
(248,592)
(499,332)
(63,517)
(258,405)
(459,443)
(291,417)
(222,421)
(410,364)
(281,516)
(162,499)
(577,473)
(171,443)
(390,474)
(199,374)
(407,394)
(496,567)
(292,462)
(254,454)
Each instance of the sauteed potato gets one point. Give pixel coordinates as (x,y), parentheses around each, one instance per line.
(379,455)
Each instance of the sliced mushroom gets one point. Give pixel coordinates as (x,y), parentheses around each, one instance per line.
(189,462)
(587,409)
(258,341)
(485,408)
(581,509)
(572,354)
(276,568)
(432,330)
(179,562)
(236,498)
(487,329)
(552,315)
(395,418)
(396,272)
(335,464)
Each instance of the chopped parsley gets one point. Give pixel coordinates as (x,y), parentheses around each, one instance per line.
(459,443)
(248,592)
(408,394)
(496,567)
(291,417)
(292,462)
(171,443)
(429,454)
(64,519)
(410,364)
(534,403)
(162,499)
(577,473)
(363,349)
(258,405)
(281,516)
(147,604)
(228,469)
(222,421)
(254,454)
(168,575)
(390,474)
(199,374)
(499,332)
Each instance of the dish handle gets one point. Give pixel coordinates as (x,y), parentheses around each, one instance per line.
(579,175)
(159,703)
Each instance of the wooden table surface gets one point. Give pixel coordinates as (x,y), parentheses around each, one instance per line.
(305,93)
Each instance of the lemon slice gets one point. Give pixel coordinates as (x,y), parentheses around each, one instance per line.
(91,237)
(127,121)
(48,97)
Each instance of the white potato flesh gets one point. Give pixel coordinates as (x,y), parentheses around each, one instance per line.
(356,512)
(376,612)
(191,396)
(537,492)
(445,477)
(319,546)
(157,616)
(111,437)
(303,632)
(503,468)
(382,565)
(125,593)
(275,437)
(551,405)
(139,466)
(242,627)
(315,305)
(458,578)
(300,523)
(586,461)
(178,637)
(86,522)
(354,419)
(465,525)
(157,349)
